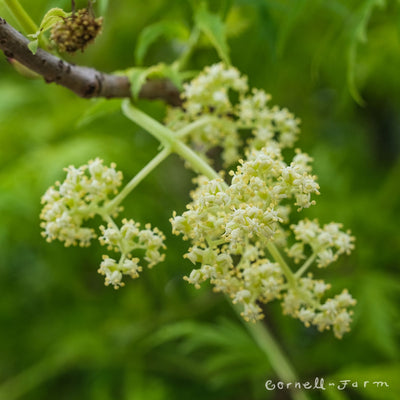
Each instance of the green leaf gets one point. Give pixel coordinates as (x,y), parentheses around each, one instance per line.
(33,46)
(98,109)
(51,18)
(138,76)
(169,29)
(214,28)
(359,35)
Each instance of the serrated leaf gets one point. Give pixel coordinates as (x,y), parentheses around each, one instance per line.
(51,18)
(214,28)
(169,29)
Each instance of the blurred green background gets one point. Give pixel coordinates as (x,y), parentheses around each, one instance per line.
(64,335)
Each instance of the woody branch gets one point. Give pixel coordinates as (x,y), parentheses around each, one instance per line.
(85,82)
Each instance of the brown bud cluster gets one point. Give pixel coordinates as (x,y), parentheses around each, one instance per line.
(76,31)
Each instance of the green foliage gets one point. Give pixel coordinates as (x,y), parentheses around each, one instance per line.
(49,20)
(66,336)
(214,28)
(170,29)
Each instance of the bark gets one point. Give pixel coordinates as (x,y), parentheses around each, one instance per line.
(85,82)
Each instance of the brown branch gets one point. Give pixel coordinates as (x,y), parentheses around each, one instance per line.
(85,82)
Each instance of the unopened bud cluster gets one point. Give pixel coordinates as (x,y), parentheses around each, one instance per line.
(75,32)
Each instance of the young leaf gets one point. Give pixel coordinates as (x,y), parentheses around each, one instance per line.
(33,46)
(169,29)
(49,20)
(214,28)
(137,77)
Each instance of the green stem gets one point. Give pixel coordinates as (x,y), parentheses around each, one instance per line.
(161,156)
(168,139)
(281,261)
(258,331)
(267,343)
(305,266)
(195,125)
(25,21)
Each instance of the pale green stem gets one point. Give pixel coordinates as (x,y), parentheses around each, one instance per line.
(168,138)
(195,125)
(267,343)
(161,156)
(25,21)
(280,260)
(305,266)
(258,331)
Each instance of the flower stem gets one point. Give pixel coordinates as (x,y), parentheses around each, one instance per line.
(194,125)
(161,156)
(258,331)
(168,139)
(267,343)
(305,266)
(23,18)
(281,261)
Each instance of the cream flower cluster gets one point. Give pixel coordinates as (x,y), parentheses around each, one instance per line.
(232,228)
(125,240)
(304,301)
(222,93)
(326,243)
(87,191)
(84,191)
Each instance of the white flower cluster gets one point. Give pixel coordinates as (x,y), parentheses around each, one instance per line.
(326,243)
(239,220)
(232,226)
(305,303)
(77,199)
(223,93)
(84,193)
(125,240)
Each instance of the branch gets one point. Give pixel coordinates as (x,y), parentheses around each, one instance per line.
(85,82)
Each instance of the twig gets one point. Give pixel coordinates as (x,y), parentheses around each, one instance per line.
(85,82)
